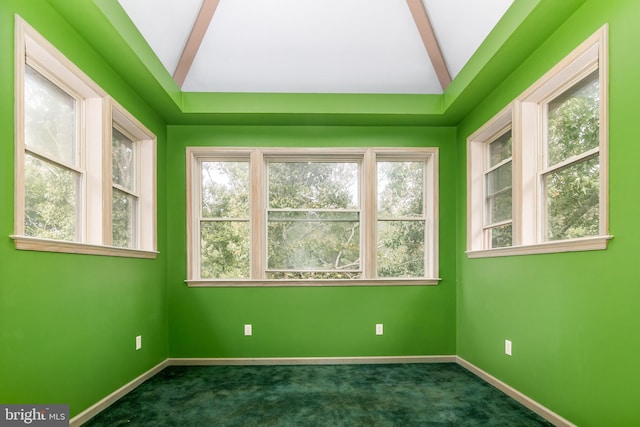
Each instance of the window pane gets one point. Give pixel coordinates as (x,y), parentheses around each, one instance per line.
(50,118)
(51,200)
(123,161)
(224,249)
(400,189)
(313,185)
(400,248)
(499,207)
(313,241)
(573,120)
(500,149)
(573,195)
(225,189)
(501,236)
(124,219)
(499,200)
(499,179)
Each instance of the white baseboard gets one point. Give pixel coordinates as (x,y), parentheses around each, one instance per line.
(543,411)
(310,360)
(109,400)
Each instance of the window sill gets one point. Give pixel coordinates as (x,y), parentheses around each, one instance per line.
(47,245)
(310,283)
(575,245)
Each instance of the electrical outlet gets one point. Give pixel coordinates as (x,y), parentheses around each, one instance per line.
(248,330)
(379,328)
(507,347)
(138,342)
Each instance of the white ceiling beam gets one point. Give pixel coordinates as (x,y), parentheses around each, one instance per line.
(198,31)
(421,18)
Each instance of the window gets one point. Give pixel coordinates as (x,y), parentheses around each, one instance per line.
(401,218)
(124,196)
(314,216)
(313,219)
(571,162)
(53,172)
(539,167)
(66,126)
(224,218)
(133,177)
(498,183)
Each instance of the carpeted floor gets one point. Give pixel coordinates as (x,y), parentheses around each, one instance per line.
(319,395)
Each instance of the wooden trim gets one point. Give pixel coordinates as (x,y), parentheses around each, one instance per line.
(106,176)
(603,59)
(26,243)
(368,204)
(145,143)
(190,229)
(536,407)
(367,158)
(257,222)
(18,120)
(432,210)
(109,400)
(311,283)
(574,245)
(495,127)
(563,75)
(428,35)
(198,32)
(361,360)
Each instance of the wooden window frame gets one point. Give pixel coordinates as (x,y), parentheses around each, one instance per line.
(96,110)
(257,158)
(528,135)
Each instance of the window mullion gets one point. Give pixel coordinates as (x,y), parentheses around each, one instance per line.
(570,161)
(59,163)
(257,214)
(368,215)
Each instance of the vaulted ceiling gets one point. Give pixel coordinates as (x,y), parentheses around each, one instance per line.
(314,62)
(315,46)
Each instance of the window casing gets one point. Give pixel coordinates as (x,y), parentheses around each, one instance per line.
(310,217)
(559,161)
(65,190)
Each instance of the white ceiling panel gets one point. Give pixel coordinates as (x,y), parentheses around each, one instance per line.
(165,25)
(315,46)
(318,46)
(462,25)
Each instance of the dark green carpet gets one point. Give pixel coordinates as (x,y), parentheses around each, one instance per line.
(320,395)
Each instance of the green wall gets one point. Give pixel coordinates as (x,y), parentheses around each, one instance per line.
(573,318)
(68,322)
(309,321)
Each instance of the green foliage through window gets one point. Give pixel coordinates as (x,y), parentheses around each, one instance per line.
(401,227)
(313,218)
(279,214)
(52,185)
(573,190)
(224,228)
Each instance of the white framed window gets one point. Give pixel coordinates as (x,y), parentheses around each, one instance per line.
(498,190)
(63,135)
(133,180)
(311,217)
(557,164)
